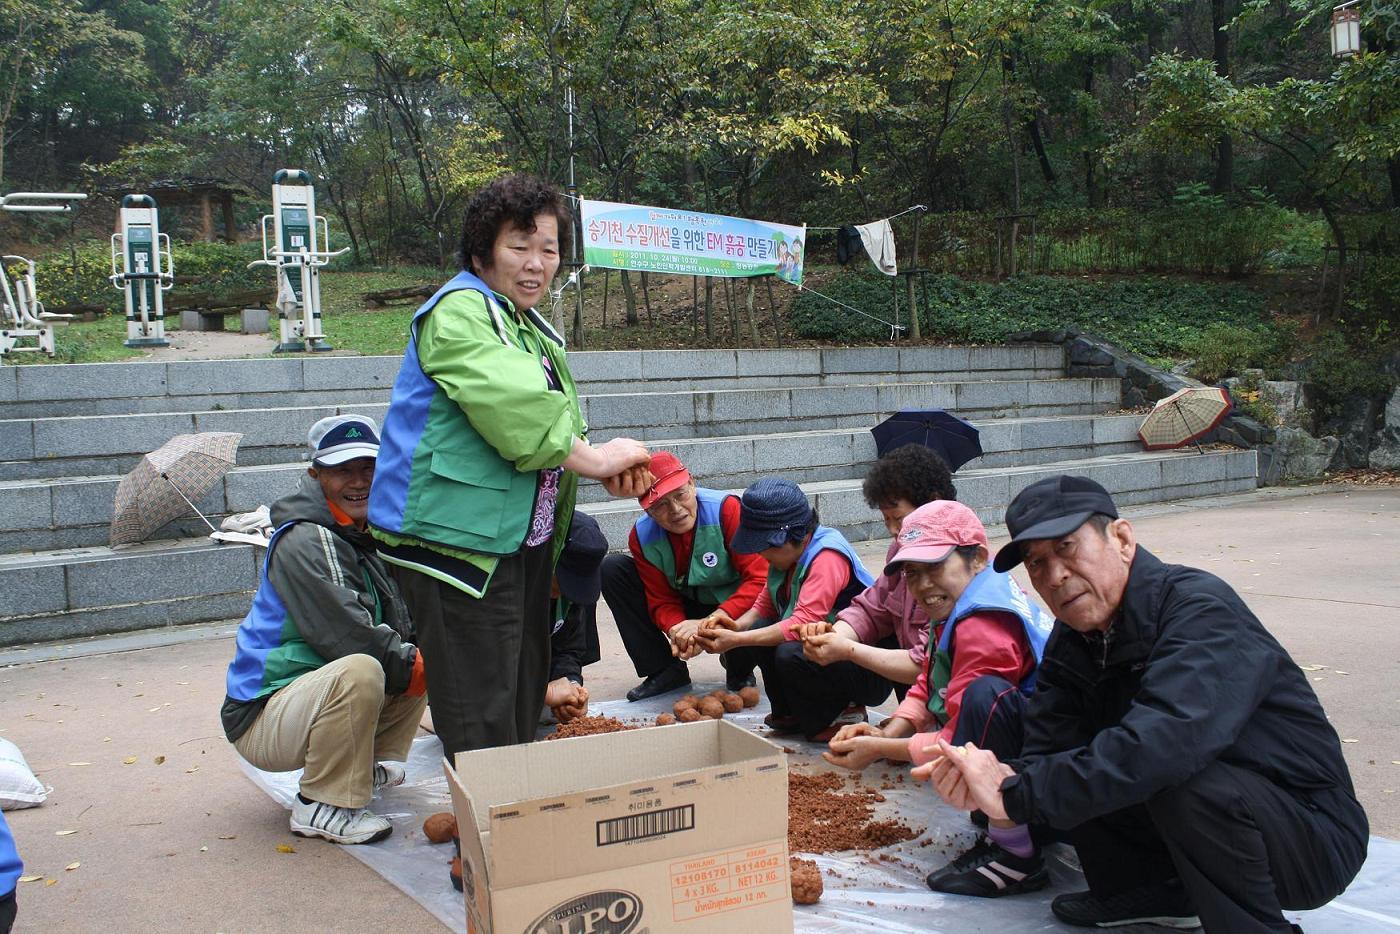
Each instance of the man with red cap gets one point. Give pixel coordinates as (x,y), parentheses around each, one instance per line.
(680,569)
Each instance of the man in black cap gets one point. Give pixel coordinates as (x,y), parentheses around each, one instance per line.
(574,643)
(1170,734)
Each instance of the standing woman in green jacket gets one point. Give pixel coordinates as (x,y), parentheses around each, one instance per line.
(482,448)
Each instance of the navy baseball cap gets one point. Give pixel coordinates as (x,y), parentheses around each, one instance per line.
(336,439)
(1051,508)
(768,511)
(579,571)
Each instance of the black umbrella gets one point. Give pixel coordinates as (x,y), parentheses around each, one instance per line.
(939,431)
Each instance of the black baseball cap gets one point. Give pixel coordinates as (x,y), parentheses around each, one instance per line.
(1051,508)
(579,570)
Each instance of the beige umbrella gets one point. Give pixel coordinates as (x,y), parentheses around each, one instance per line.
(166,483)
(1184,416)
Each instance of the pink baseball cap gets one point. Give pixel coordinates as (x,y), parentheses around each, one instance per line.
(930,533)
(670,476)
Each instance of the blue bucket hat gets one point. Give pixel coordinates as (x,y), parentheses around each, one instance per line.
(769,512)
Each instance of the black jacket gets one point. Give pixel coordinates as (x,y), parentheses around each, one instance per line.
(1186,676)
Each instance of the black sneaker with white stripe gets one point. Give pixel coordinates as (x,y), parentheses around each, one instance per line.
(988,871)
(1165,905)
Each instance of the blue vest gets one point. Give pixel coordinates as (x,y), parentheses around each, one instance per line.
(825,538)
(993,591)
(10,865)
(265,659)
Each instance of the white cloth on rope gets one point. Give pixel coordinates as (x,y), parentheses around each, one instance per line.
(878,240)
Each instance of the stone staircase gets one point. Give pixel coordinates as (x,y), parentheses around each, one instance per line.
(68,433)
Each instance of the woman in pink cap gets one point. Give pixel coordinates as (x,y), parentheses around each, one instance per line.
(985,641)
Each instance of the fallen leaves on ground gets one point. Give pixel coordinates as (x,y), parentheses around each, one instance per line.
(64,833)
(1363,477)
(71,866)
(286,848)
(160,760)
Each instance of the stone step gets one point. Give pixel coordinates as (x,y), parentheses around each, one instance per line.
(262,383)
(33,448)
(74,512)
(89,591)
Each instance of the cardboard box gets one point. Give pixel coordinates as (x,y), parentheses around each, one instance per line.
(675,828)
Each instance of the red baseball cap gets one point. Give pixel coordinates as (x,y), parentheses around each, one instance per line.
(670,475)
(930,533)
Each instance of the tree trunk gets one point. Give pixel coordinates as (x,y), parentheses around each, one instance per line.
(773,311)
(607,282)
(1046,169)
(915,333)
(753,324)
(694,306)
(709,306)
(629,298)
(1224,150)
(1340,236)
(1091,181)
(578,313)
(646,299)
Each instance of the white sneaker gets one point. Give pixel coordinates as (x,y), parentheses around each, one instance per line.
(254,521)
(337,824)
(388,775)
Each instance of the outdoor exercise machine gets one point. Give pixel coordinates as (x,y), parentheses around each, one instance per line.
(143,270)
(290,245)
(22,315)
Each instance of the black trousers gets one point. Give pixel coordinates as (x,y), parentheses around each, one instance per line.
(816,694)
(7,913)
(991,715)
(647,646)
(1243,848)
(486,660)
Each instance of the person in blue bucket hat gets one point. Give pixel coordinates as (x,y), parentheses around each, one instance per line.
(813,573)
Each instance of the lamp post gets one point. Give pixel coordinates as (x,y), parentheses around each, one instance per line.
(1346,29)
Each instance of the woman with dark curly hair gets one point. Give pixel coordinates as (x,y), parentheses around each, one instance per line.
(479,462)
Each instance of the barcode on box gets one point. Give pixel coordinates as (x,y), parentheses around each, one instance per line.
(650,824)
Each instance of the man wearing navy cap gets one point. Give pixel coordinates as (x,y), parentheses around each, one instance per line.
(325,675)
(1170,734)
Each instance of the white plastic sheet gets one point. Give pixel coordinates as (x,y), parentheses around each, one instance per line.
(866,894)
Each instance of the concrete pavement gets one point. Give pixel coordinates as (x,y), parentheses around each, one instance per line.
(178,839)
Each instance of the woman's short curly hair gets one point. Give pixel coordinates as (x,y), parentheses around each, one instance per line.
(517,198)
(912,473)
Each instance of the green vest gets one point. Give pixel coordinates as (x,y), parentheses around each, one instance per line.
(710,578)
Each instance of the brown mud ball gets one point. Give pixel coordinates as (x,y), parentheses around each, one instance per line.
(717,694)
(440,827)
(665,719)
(749,696)
(688,715)
(685,703)
(733,703)
(712,708)
(806,881)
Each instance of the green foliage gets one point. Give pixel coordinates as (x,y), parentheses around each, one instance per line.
(1221,350)
(79,277)
(1342,367)
(1250,401)
(1154,317)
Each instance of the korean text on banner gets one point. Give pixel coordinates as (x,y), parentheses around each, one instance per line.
(691,243)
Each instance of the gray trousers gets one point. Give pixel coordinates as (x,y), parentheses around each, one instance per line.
(487,659)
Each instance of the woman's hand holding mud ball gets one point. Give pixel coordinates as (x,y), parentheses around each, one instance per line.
(608,461)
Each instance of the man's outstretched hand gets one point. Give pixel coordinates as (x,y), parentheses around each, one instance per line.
(966,777)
